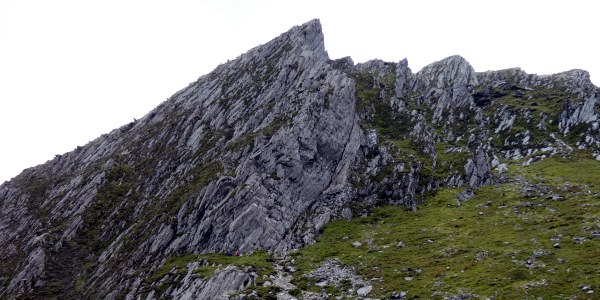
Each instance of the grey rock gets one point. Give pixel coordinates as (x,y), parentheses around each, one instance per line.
(478,170)
(25,279)
(400,295)
(364,291)
(448,82)
(331,273)
(219,286)
(453,71)
(502,168)
(261,153)
(465,195)
(404,81)
(580,113)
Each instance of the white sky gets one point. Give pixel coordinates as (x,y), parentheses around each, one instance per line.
(73,70)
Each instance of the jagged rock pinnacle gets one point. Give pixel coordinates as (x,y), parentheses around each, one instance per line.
(305,40)
(310,38)
(448,72)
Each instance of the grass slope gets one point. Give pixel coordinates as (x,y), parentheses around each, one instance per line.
(500,244)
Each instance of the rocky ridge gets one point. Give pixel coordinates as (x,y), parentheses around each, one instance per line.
(265,150)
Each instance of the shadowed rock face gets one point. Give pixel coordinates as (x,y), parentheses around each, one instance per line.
(265,150)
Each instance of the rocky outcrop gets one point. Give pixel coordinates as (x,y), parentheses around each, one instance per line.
(537,116)
(261,153)
(447,85)
(577,114)
(219,286)
(236,159)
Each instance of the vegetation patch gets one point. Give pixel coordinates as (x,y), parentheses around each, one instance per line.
(530,237)
(179,265)
(372,101)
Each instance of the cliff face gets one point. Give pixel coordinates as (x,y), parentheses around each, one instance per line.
(265,150)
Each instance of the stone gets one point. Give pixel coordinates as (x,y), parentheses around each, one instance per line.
(264,151)
(465,195)
(364,291)
(502,168)
(332,273)
(219,286)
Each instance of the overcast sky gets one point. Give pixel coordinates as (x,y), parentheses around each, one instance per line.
(73,70)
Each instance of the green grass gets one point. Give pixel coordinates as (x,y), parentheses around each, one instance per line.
(538,102)
(539,99)
(579,168)
(374,101)
(449,163)
(179,264)
(405,148)
(481,247)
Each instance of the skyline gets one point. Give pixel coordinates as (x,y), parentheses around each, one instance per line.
(72,71)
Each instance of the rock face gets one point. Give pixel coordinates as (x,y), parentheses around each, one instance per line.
(265,150)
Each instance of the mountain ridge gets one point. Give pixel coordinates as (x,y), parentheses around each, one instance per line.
(265,150)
